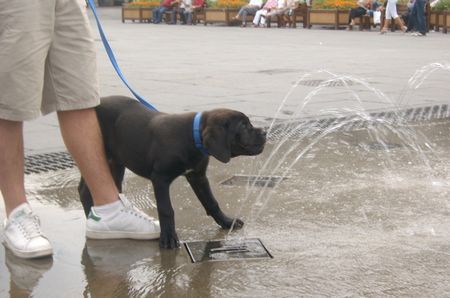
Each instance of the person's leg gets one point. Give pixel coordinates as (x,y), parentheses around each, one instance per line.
(244,17)
(257,17)
(183,16)
(71,88)
(248,11)
(82,136)
(385,26)
(158,15)
(188,17)
(241,10)
(262,18)
(400,23)
(350,17)
(162,12)
(387,19)
(173,16)
(21,77)
(409,20)
(12,164)
(420,23)
(155,15)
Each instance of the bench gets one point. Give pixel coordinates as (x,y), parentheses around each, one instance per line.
(299,14)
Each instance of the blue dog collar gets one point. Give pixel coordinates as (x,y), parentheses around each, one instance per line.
(196,130)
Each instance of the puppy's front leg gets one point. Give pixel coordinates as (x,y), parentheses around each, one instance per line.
(169,238)
(200,184)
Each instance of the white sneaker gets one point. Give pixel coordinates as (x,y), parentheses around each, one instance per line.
(23,234)
(128,222)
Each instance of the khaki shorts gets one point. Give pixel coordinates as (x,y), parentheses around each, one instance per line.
(47,58)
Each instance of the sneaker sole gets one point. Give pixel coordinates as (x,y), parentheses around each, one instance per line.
(29,254)
(121,235)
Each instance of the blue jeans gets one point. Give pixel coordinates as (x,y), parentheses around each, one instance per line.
(418,16)
(158,13)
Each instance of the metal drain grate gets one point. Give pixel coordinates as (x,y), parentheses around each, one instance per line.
(296,129)
(226,250)
(262,181)
(333,83)
(40,163)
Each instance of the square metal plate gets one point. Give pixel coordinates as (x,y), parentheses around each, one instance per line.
(226,250)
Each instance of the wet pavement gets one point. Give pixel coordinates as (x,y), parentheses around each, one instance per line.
(363,211)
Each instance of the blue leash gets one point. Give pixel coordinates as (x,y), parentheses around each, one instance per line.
(111,56)
(196,125)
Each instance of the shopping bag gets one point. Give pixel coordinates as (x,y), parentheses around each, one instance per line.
(377,17)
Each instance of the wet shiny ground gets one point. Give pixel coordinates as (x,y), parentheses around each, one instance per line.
(353,218)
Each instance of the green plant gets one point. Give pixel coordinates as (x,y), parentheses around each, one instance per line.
(442,5)
(226,3)
(333,4)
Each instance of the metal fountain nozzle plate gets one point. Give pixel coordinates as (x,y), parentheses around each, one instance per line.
(226,250)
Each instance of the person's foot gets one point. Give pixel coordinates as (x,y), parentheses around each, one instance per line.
(125,222)
(383,31)
(243,25)
(23,235)
(404,29)
(417,34)
(350,27)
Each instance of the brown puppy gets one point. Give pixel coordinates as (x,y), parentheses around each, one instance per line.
(161,147)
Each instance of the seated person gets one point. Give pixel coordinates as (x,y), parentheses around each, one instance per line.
(260,15)
(158,12)
(197,8)
(250,9)
(365,7)
(185,10)
(360,10)
(280,9)
(292,5)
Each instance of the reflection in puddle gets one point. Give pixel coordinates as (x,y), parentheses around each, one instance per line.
(25,274)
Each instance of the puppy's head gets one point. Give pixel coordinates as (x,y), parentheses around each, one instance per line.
(228,133)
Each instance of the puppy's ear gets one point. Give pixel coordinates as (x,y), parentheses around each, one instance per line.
(216,141)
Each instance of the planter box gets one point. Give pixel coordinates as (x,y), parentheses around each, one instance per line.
(440,19)
(220,15)
(331,17)
(141,14)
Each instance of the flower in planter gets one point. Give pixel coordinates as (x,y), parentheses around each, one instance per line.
(144,3)
(227,3)
(333,4)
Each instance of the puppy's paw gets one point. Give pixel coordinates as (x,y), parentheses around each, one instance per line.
(169,240)
(238,224)
(232,223)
